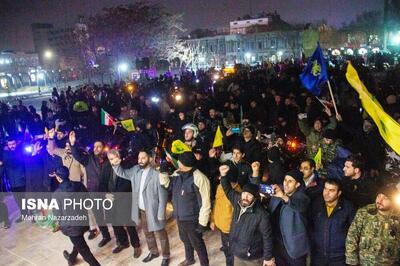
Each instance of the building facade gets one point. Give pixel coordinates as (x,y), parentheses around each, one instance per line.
(223,50)
(18,69)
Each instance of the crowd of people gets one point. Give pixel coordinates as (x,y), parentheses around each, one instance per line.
(263,189)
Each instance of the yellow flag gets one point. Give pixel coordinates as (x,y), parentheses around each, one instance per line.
(218,138)
(318,157)
(128,125)
(179,147)
(388,127)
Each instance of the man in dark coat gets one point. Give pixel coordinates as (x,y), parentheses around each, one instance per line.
(73,229)
(14,166)
(312,183)
(330,218)
(94,163)
(250,234)
(289,212)
(276,169)
(357,187)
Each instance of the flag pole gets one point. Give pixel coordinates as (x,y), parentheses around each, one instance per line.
(333,98)
(320,101)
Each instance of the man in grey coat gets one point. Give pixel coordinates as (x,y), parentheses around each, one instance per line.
(149,200)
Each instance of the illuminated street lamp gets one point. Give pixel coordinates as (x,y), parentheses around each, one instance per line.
(48,54)
(350,51)
(122,67)
(362,51)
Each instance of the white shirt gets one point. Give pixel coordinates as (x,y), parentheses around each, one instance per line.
(310,180)
(142,181)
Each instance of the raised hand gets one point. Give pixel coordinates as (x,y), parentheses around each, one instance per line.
(223,170)
(72,138)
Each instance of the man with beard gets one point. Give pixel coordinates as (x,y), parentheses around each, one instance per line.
(94,163)
(14,167)
(288,208)
(192,206)
(250,233)
(149,200)
(374,235)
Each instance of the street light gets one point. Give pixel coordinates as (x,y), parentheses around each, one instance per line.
(350,51)
(122,67)
(48,54)
(362,51)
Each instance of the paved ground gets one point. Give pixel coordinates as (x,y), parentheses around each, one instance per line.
(27,244)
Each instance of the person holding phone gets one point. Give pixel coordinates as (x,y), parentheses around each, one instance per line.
(288,207)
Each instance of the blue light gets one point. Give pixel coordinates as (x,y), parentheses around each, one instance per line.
(155,99)
(29,149)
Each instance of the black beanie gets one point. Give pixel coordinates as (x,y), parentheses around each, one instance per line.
(274,154)
(251,188)
(62,172)
(329,134)
(187,159)
(251,128)
(297,175)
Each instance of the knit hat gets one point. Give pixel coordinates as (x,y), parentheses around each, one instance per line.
(274,154)
(329,134)
(251,188)
(187,159)
(251,128)
(62,172)
(296,175)
(389,190)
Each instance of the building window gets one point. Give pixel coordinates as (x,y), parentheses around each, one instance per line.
(260,45)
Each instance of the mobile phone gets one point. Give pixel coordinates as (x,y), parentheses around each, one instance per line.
(266,189)
(235,130)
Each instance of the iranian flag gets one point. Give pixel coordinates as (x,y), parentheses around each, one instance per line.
(106,118)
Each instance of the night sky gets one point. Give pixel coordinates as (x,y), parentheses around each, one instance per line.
(17,15)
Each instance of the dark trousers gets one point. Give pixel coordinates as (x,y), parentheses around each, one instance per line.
(151,238)
(81,247)
(321,260)
(19,194)
(3,212)
(122,236)
(227,249)
(101,223)
(193,241)
(282,258)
